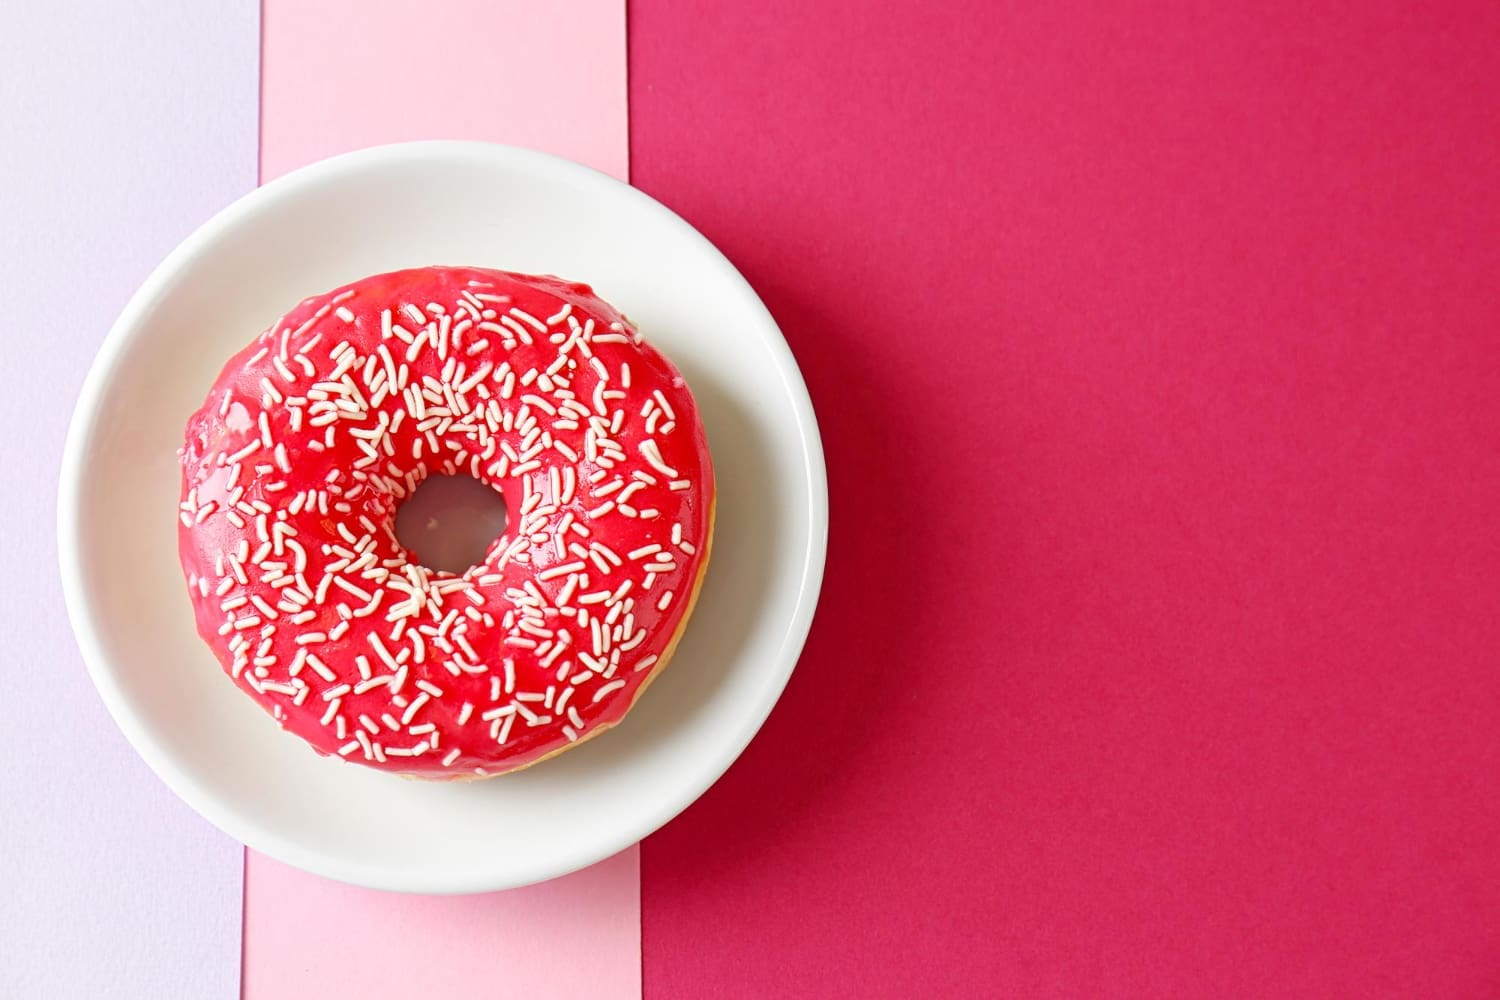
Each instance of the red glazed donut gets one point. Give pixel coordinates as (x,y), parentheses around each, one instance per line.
(315,433)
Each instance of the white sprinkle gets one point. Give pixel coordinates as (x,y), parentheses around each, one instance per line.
(244,452)
(604,691)
(362,594)
(321,668)
(414,708)
(526,317)
(382,652)
(370,684)
(652,454)
(520,332)
(563,570)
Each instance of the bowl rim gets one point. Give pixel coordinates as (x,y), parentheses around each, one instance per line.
(201,795)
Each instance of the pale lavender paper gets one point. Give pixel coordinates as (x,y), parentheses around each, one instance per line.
(122,126)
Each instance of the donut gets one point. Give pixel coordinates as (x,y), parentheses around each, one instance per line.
(313,435)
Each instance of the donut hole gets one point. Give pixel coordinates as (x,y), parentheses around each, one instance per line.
(450,522)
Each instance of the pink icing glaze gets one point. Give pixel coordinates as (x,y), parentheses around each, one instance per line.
(312,436)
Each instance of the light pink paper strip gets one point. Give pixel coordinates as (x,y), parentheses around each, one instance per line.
(338,76)
(344,74)
(574,937)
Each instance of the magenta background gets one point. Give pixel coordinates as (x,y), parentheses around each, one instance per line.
(1157,353)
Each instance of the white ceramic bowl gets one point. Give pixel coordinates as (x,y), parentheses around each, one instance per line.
(376,210)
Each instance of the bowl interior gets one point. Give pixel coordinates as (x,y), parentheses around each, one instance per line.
(431,203)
